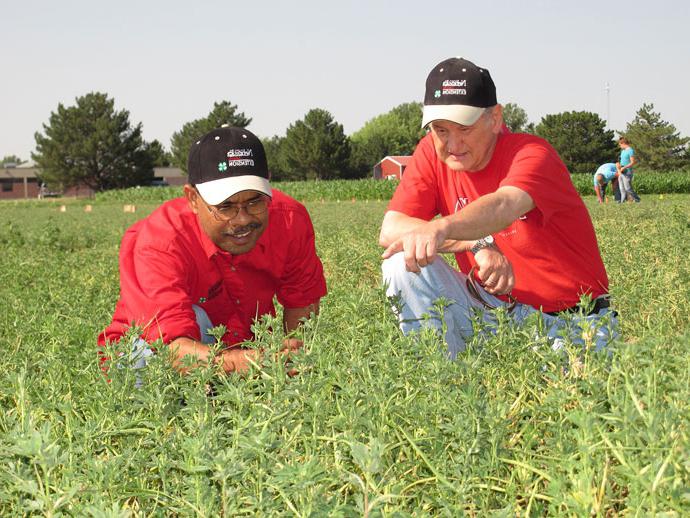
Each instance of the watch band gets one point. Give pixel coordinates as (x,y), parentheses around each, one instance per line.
(481,244)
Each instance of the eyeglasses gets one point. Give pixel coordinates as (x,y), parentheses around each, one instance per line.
(230,211)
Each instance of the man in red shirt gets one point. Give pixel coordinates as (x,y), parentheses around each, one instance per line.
(507,208)
(217,256)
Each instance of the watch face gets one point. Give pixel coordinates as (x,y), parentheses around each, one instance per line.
(489,239)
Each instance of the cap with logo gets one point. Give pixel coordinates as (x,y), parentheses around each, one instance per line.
(459,91)
(226,161)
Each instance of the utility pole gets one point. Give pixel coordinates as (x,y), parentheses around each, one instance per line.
(608,105)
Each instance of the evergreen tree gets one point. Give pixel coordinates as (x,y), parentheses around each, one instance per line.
(92,144)
(657,144)
(161,157)
(316,148)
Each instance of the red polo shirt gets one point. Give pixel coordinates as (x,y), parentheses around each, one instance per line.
(168,263)
(553,248)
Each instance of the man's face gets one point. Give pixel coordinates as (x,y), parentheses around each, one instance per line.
(237,235)
(467,148)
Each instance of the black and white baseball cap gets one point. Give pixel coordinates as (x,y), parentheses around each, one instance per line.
(226,161)
(459,91)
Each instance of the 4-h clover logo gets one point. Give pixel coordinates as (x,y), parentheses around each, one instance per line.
(222,166)
(437,94)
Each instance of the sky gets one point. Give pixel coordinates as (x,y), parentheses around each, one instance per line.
(167,62)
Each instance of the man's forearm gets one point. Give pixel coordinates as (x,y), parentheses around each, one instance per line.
(487,215)
(292,317)
(395,224)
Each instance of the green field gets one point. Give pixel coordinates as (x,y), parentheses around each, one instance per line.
(376,424)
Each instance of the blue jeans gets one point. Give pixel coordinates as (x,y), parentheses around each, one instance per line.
(417,294)
(141,351)
(625,182)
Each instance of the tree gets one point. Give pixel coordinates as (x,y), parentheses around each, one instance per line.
(223,112)
(94,145)
(657,144)
(11,159)
(580,138)
(161,157)
(275,157)
(316,148)
(393,133)
(516,119)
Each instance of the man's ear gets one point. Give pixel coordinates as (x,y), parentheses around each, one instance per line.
(192,198)
(497,118)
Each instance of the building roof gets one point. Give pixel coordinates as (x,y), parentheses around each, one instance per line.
(169,172)
(18,172)
(32,172)
(397,159)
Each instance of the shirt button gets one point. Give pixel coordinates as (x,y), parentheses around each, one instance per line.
(235,334)
(237,301)
(233,268)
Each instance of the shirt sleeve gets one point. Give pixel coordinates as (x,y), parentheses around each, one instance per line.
(537,169)
(302,282)
(417,194)
(154,286)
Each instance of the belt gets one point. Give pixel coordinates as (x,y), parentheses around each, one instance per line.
(601,302)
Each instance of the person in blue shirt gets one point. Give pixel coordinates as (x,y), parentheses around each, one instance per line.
(607,173)
(627,161)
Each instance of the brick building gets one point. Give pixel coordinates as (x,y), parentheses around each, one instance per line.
(23,181)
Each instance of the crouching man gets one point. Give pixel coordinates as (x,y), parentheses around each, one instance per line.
(217,255)
(521,234)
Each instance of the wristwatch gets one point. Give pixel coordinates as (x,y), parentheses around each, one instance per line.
(481,244)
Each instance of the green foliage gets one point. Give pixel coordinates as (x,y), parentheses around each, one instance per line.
(161,157)
(375,424)
(316,148)
(330,190)
(223,112)
(275,157)
(11,159)
(92,144)
(645,182)
(657,144)
(516,119)
(580,138)
(394,133)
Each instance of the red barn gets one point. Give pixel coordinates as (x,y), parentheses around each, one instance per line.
(391,167)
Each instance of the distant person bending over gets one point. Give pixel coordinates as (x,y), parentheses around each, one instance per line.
(606,173)
(217,256)
(507,206)
(627,161)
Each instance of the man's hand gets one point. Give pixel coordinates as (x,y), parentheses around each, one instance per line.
(237,359)
(420,246)
(495,271)
(291,345)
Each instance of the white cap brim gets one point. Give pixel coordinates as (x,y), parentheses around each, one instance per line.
(217,191)
(459,113)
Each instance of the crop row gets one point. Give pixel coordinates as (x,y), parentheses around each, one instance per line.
(369,189)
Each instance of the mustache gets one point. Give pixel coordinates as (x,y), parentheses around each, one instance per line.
(244,229)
